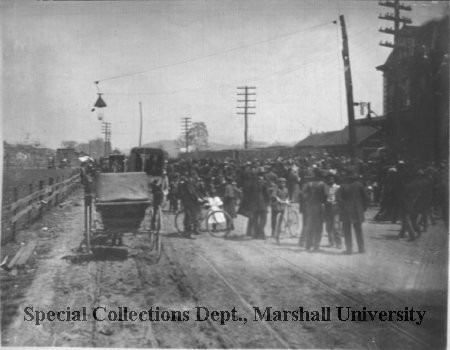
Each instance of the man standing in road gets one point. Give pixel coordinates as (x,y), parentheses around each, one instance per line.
(279,196)
(232,194)
(191,200)
(260,204)
(315,195)
(353,201)
(331,213)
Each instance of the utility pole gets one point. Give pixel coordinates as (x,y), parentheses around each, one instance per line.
(140,124)
(106,129)
(247,91)
(185,126)
(349,89)
(363,105)
(396,46)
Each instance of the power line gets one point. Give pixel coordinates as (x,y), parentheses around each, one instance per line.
(280,72)
(216,53)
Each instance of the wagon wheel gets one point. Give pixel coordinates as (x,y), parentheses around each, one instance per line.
(155,235)
(156,245)
(156,219)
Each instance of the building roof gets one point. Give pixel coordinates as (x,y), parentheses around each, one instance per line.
(336,138)
(432,35)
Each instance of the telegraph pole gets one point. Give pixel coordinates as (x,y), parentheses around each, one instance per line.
(185,126)
(349,89)
(106,129)
(248,91)
(140,124)
(395,17)
(363,105)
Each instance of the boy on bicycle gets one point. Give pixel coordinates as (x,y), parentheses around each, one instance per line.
(280,195)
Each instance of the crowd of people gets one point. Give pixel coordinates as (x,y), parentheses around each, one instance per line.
(332,192)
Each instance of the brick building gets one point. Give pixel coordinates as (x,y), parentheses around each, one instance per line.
(420,67)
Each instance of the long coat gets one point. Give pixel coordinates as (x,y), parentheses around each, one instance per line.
(353,201)
(256,196)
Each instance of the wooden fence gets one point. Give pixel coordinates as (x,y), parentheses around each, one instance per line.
(31,207)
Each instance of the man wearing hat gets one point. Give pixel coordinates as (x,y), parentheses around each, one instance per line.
(353,201)
(315,194)
(232,194)
(279,195)
(259,203)
(331,212)
(191,198)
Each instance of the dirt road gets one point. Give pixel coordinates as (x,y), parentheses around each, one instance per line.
(206,274)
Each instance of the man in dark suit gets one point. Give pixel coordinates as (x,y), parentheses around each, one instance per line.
(260,204)
(353,201)
(192,203)
(315,195)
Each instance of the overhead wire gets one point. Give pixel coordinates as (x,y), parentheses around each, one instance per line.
(284,71)
(281,72)
(193,59)
(307,65)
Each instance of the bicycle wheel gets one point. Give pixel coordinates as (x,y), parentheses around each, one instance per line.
(179,221)
(155,245)
(293,223)
(218,223)
(154,220)
(158,220)
(280,227)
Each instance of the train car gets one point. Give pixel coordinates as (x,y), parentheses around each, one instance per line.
(116,163)
(243,154)
(149,160)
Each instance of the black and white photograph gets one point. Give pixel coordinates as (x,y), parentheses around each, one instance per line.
(224,174)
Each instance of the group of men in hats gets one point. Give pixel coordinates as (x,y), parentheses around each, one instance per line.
(321,200)
(324,201)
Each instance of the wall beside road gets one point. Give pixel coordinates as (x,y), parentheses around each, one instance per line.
(28,193)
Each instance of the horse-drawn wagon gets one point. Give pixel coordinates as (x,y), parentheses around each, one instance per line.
(124,203)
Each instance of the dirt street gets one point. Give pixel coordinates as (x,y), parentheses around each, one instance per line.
(205,274)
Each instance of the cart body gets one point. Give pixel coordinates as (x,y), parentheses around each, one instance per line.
(122,200)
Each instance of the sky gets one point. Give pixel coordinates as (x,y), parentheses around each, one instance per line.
(186,59)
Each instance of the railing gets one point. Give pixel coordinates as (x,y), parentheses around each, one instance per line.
(32,206)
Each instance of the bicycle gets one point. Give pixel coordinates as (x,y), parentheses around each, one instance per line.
(218,223)
(287,222)
(154,230)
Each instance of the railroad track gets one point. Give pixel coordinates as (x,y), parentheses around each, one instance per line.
(96,276)
(226,341)
(340,293)
(229,343)
(282,341)
(174,272)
